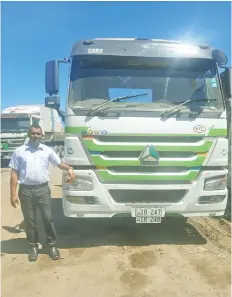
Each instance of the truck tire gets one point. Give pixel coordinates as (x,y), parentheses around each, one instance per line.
(61,151)
(227,214)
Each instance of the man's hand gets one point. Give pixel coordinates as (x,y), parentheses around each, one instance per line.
(71,173)
(71,176)
(14,200)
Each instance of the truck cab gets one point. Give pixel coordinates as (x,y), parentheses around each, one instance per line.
(145,129)
(15,122)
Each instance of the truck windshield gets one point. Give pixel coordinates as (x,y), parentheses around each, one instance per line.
(169,81)
(9,125)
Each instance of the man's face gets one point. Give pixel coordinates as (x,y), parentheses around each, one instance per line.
(35,135)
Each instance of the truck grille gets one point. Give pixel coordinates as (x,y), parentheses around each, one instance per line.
(118,157)
(147,196)
(11,143)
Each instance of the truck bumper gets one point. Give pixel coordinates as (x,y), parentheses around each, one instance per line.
(109,200)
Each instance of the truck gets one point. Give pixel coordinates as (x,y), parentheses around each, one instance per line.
(146,128)
(15,123)
(228,207)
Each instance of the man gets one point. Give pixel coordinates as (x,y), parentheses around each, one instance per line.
(30,163)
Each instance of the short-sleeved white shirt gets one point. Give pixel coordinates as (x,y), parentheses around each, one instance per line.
(32,163)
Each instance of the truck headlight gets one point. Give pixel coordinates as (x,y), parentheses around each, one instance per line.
(215,183)
(211,199)
(80,183)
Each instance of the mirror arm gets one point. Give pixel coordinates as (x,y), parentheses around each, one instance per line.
(65,61)
(223,67)
(61,114)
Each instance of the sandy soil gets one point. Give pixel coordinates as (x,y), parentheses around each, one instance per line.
(115,257)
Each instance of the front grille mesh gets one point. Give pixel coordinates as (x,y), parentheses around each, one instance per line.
(12,143)
(147,196)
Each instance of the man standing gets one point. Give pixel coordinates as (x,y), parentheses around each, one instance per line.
(30,163)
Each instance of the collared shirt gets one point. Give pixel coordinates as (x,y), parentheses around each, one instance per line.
(32,163)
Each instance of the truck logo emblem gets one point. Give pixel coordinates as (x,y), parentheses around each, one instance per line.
(199,129)
(90,131)
(70,150)
(149,156)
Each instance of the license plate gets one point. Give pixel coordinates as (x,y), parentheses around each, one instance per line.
(148,220)
(148,214)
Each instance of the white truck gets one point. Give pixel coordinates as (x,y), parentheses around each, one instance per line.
(145,129)
(16,120)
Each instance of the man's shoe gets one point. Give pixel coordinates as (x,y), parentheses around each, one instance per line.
(33,254)
(54,253)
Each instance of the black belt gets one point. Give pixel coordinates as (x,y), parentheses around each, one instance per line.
(34,186)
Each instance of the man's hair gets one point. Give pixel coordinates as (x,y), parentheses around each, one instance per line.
(36,126)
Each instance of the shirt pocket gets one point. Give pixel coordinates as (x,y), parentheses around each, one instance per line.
(22,164)
(44,161)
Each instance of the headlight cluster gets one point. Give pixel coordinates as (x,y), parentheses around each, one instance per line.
(82,200)
(215,183)
(80,183)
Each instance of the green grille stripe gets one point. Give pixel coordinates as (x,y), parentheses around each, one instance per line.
(75,130)
(98,161)
(160,148)
(217,132)
(106,176)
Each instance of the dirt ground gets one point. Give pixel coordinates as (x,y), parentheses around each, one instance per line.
(115,257)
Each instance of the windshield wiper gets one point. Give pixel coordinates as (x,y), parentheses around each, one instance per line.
(91,112)
(176,109)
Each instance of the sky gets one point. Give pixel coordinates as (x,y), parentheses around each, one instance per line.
(36,32)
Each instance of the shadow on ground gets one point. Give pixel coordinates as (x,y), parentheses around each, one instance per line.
(15,229)
(82,233)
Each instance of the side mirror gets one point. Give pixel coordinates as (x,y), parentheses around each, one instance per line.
(226,83)
(53,102)
(52,77)
(52,86)
(220,57)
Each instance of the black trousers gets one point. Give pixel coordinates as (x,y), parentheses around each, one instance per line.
(30,199)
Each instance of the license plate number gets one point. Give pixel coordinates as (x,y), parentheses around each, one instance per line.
(148,214)
(148,220)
